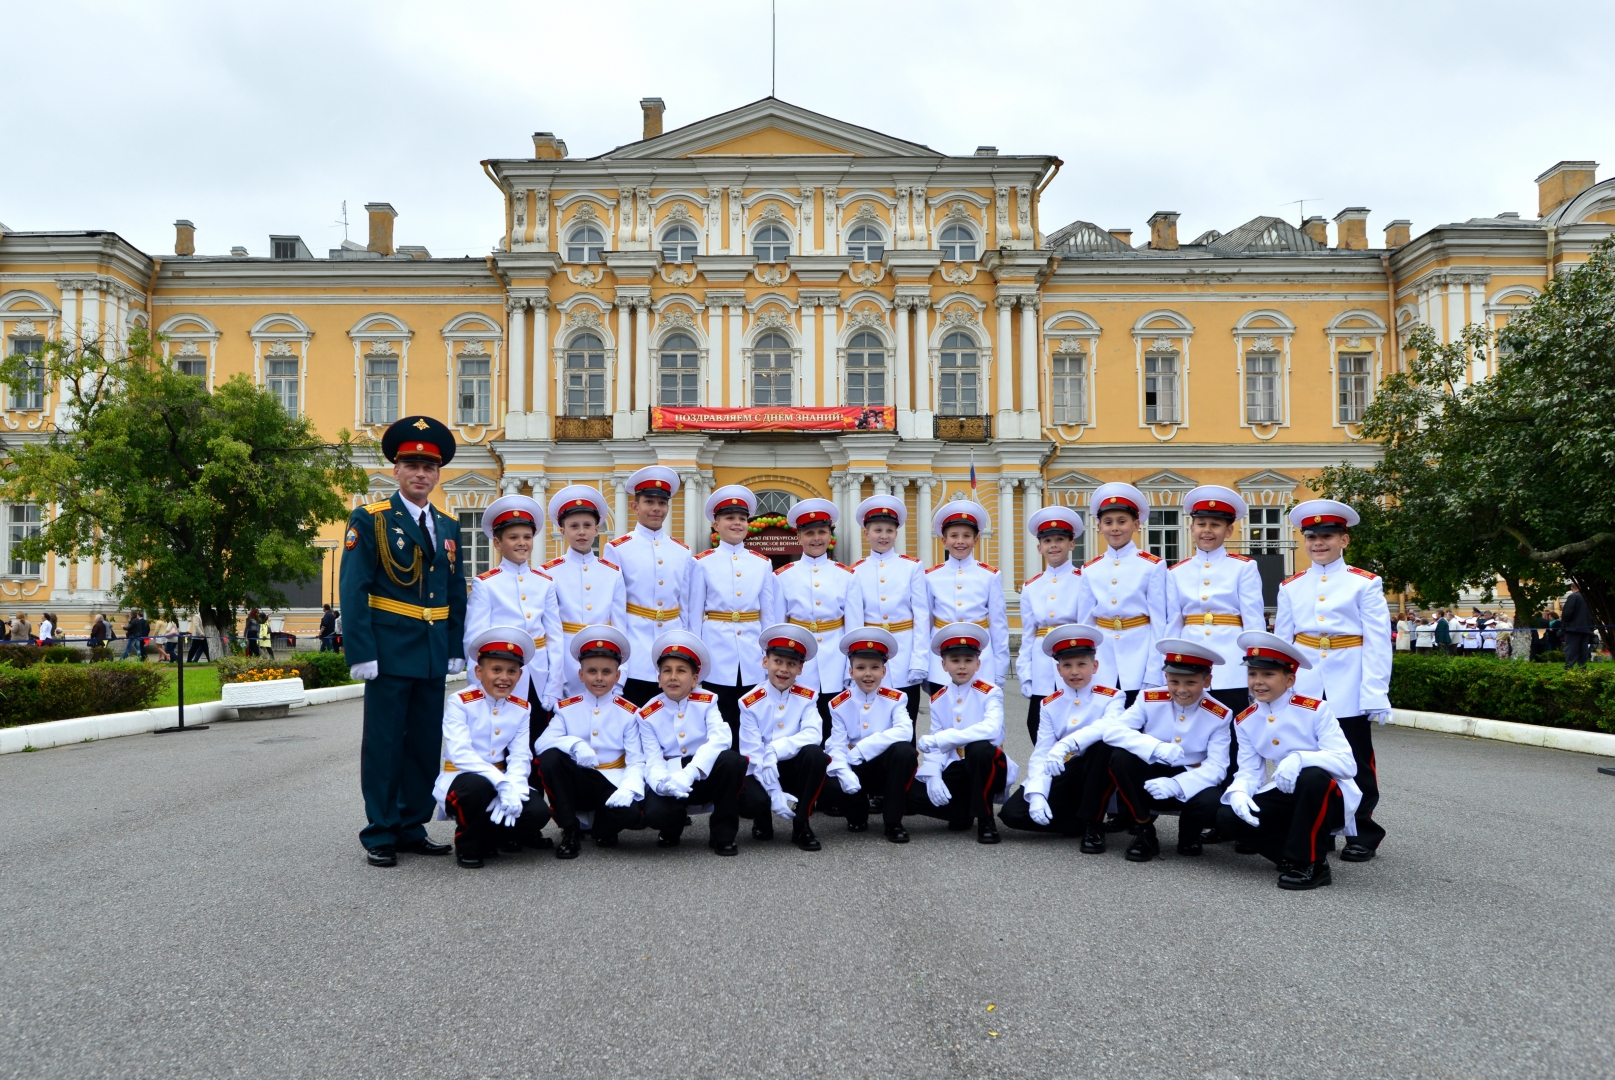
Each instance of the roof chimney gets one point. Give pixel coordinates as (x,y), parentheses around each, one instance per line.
(653,108)
(184,238)
(1562,183)
(1124,235)
(1398,233)
(1317,230)
(381,227)
(1351,229)
(986,151)
(547,147)
(1164,230)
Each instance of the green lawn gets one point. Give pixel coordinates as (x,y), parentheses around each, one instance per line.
(201,684)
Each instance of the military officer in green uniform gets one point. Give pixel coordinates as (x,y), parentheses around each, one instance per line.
(403,608)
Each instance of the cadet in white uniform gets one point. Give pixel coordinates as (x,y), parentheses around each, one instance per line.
(688,759)
(589,588)
(782,740)
(1213,596)
(870,745)
(655,567)
(592,757)
(894,597)
(1068,779)
(816,593)
(1311,795)
(963,589)
(1171,750)
(723,601)
(1126,592)
(1052,598)
(1338,616)
(486,756)
(515,594)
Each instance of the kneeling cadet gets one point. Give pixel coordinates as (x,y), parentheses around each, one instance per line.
(782,740)
(870,735)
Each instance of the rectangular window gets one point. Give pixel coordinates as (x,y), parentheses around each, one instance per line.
(1069,396)
(1353,369)
(1160,389)
(32,397)
(282,383)
(866,379)
(476,389)
(22,523)
(1264,531)
(1262,388)
(380,389)
(1163,535)
(284,249)
(476,554)
(585,384)
(680,379)
(194,366)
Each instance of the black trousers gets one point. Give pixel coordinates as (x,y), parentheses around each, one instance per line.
(824,711)
(801,776)
(720,787)
(398,757)
(1235,697)
(1034,714)
(1293,828)
(729,707)
(890,774)
(1359,732)
(475,834)
(1130,771)
(1578,648)
(640,691)
(1076,797)
(571,788)
(973,781)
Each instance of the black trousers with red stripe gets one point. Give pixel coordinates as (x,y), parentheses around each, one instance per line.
(720,787)
(1359,732)
(571,788)
(1076,797)
(475,834)
(801,775)
(890,774)
(1294,828)
(973,780)
(1130,771)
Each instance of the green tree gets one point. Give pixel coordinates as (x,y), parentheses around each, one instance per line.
(203,500)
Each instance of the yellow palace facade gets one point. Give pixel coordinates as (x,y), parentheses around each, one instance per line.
(777,298)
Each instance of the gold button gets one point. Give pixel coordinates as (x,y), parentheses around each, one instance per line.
(496,731)
(588,607)
(1113,581)
(866,708)
(658,583)
(782,723)
(1270,719)
(528,614)
(866,725)
(1324,577)
(1178,739)
(658,562)
(681,734)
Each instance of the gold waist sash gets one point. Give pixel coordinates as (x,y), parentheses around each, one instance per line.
(1131,622)
(1324,642)
(1212,618)
(413,611)
(573,627)
(893,627)
(621,762)
(657,615)
(940,623)
(821,627)
(735,616)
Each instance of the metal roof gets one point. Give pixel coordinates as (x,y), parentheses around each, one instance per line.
(1084,237)
(1266,234)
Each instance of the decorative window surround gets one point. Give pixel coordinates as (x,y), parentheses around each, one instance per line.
(1068,333)
(1355,331)
(27,314)
(376,334)
(284,336)
(1163,332)
(473,334)
(1265,332)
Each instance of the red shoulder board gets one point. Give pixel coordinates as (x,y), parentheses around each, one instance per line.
(543,575)
(989,567)
(1292,577)
(1147,555)
(756,695)
(651,708)
(559,705)
(626,704)
(1157,695)
(938,566)
(1093,560)
(1246,712)
(759,555)
(1305,702)
(514,700)
(845,567)
(613,565)
(1215,708)
(892,695)
(485,575)
(802,691)
(1029,580)
(1052,698)
(939,692)
(839,698)
(623,539)
(1108,691)
(860,562)
(910,558)
(1370,575)
(1185,562)
(984,687)
(679,542)
(705,553)
(1240,558)
(469,696)
(553,563)
(701,696)
(784,568)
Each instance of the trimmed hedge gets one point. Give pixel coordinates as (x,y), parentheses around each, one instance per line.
(314,668)
(1524,693)
(61,691)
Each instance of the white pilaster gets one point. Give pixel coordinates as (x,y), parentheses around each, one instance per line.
(852,536)
(690,488)
(922,375)
(714,395)
(811,363)
(1004,363)
(828,325)
(900,396)
(642,376)
(1031,503)
(1006,534)
(516,407)
(1031,416)
(1477,314)
(540,485)
(538,421)
(622,376)
(619,513)
(737,367)
(923,547)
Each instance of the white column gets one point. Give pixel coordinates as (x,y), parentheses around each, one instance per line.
(1006,535)
(923,547)
(900,398)
(714,394)
(922,375)
(810,354)
(619,512)
(854,535)
(538,421)
(737,368)
(541,542)
(829,370)
(642,378)
(690,486)
(1004,363)
(1477,314)
(622,376)
(1031,416)
(516,407)
(897,486)
(1031,503)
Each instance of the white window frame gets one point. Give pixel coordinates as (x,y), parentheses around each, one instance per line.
(794,372)
(1159,333)
(863,245)
(943,243)
(980,368)
(1356,331)
(663,349)
(1262,333)
(1264,388)
(375,387)
(693,244)
(480,386)
(33,399)
(477,557)
(30,570)
(887,373)
(473,335)
(597,249)
(566,353)
(284,385)
(789,244)
(1159,364)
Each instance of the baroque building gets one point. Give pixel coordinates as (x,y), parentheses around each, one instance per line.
(777,298)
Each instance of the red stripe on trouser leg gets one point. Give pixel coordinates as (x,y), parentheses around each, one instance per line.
(987,792)
(811,802)
(453,801)
(1323,812)
(1116,785)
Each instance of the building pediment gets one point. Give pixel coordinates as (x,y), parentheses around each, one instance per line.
(769,128)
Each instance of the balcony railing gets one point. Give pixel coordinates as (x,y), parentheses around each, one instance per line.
(962,428)
(582,428)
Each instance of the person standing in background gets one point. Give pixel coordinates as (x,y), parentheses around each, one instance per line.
(250,635)
(327,630)
(1577,626)
(1443,633)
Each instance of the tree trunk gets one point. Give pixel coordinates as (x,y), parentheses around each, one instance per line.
(214,627)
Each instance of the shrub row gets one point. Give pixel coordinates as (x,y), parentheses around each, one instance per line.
(25,656)
(1583,698)
(316,669)
(42,692)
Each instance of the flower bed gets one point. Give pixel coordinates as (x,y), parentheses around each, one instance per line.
(316,669)
(1541,694)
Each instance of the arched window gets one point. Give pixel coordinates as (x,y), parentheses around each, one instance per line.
(958,243)
(866,371)
(680,369)
(774,503)
(586,376)
(585,245)
(771,375)
(679,244)
(865,243)
(959,380)
(771,244)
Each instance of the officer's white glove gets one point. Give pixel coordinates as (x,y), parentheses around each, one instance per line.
(782,804)
(1380,716)
(855,756)
(456,665)
(1164,787)
(1244,807)
(1055,763)
(938,791)
(584,754)
(847,779)
(926,744)
(1167,753)
(1039,806)
(365,671)
(1284,776)
(622,797)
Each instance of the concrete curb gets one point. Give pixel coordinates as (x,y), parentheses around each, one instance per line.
(1578,742)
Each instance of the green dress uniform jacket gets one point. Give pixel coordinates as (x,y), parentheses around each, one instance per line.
(406,607)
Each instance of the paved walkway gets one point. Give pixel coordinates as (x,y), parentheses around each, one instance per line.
(197,906)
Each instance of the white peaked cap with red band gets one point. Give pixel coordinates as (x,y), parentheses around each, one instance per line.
(1323,514)
(579,497)
(1054,519)
(958,634)
(812,512)
(878,506)
(868,639)
(960,510)
(1217,500)
(599,637)
(1181,652)
(511,510)
(1260,645)
(729,498)
(1122,497)
(505,641)
(654,480)
(681,643)
(787,636)
(1071,636)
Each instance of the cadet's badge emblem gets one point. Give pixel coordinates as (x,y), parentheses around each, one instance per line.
(352,540)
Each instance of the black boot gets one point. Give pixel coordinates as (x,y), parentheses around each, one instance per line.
(1311,876)
(467,858)
(897,834)
(605,839)
(667,838)
(1147,846)
(762,829)
(1356,852)
(802,836)
(987,830)
(1093,839)
(568,847)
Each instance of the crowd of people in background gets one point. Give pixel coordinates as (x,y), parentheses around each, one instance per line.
(139,633)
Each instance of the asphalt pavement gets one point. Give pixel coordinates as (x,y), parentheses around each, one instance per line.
(198,906)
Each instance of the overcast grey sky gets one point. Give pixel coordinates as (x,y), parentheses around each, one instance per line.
(253,119)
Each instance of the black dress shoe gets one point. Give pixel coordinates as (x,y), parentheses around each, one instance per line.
(470,862)
(426,846)
(897,834)
(762,832)
(987,831)
(1356,852)
(1192,848)
(1147,846)
(1115,823)
(385,855)
(540,843)
(605,840)
(568,847)
(726,848)
(1212,835)
(804,839)
(1093,839)
(1245,847)
(1311,876)
(510,847)
(668,839)
(857,826)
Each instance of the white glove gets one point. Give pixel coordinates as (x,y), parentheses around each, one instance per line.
(496,813)
(938,791)
(1164,787)
(855,756)
(1284,776)
(1380,716)
(916,677)
(782,804)
(1168,753)
(1243,806)
(1026,690)
(926,744)
(847,779)
(365,671)
(584,754)
(622,797)
(687,778)
(456,665)
(1055,762)
(1039,806)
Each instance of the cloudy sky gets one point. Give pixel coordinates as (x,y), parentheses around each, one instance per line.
(253,119)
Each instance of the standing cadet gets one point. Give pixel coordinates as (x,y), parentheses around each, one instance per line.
(655,567)
(782,740)
(723,601)
(894,599)
(1338,616)
(962,589)
(818,594)
(404,601)
(1214,596)
(1052,598)
(1126,592)
(870,736)
(589,588)
(514,594)
(964,768)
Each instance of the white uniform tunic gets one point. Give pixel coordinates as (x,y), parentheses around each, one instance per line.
(655,568)
(1126,598)
(590,591)
(517,595)
(894,599)
(961,715)
(485,736)
(1226,587)
(723,604)
(1200,731)
(610,726)
(1269,733)
(968,591)
(1052,598)
(775,726)
(871,722)
(1069,723)
(1337,615)
(671,731)
(817,594)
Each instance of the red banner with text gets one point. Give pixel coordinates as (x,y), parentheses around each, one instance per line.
(774,418)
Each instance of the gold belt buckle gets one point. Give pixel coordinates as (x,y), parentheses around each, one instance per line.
(1209,619)
(734,616)
(426,613)
(1323,642)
